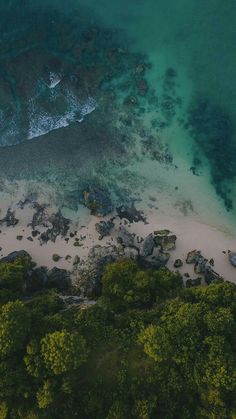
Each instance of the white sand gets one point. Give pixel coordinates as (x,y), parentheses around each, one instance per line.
(190,235)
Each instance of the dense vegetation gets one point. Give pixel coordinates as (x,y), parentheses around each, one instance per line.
(149,348)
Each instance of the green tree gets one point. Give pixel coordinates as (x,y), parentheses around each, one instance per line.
(13,274)
(126,285)
(63,352)
(14,327)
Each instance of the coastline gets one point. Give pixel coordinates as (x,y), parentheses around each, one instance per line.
(82,237)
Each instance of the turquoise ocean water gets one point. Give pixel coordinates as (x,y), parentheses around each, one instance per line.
(135,97)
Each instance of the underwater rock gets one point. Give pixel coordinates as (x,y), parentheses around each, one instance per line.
(212,129)
(232,258)
(98,202)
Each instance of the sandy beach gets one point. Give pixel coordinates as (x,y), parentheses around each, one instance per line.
(82,236)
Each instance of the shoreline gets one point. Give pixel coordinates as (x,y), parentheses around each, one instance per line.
(80,239)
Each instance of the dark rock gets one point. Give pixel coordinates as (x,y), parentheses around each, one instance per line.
(59,227)
(19,238)
(147,246)
(58,278)
(104,228)
(200,265)
(125,237)
(30,239)
(77,243)
(142,87)
(9,219)
(56,257)
(158,261)
(20,254)
(131,214)
(193,282)
(89,274)
(232,258)
(212,262)
(193,256)
(35,233)
(98,202)
(36,279)
(165,240)
(178,263)
(210,275)
(76,260)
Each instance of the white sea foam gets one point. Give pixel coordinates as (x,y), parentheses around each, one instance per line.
(42,122)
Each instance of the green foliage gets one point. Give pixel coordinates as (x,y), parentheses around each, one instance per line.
(12,274)
(126,285)
(63,352)
(148,349)
(14,327)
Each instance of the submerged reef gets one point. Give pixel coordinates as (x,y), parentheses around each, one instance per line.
(212,129)
(84,98)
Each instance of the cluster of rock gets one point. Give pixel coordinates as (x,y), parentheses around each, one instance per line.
(55,224)
(202,266)
(38,278)
(151,252)
(9,219)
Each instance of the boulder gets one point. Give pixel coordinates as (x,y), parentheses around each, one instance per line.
(98,201)
(210,275)
(165,239)
(58,278)
(36,279)
(178,263)
(147,246)
(20,254)
(104,228)
(125,237)
(87,276)
(193,256)
(232,258)
(201,265)
(155,262)
(131,253)
(193,282)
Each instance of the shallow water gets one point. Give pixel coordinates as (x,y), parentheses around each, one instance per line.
(160,78)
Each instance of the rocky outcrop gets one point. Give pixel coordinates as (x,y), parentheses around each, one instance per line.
(98,201)
(104,228)
(59,226)
(165,240)
(20,254)
(232,258)
(88,275)
(59,279)
(178,263)
(125,237)
(193,256)
(147,246)
(9,219)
